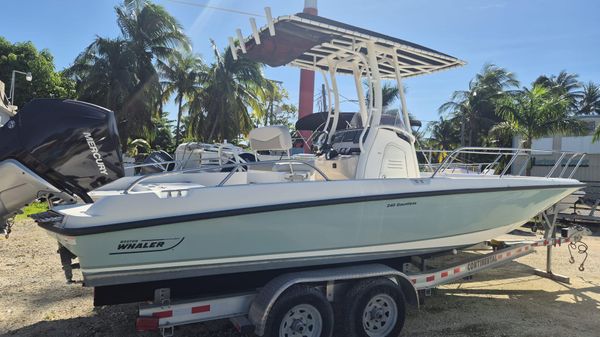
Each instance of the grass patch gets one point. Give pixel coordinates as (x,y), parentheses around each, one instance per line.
(33,208)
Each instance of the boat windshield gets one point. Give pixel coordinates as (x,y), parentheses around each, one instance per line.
(389,117)
(392,117)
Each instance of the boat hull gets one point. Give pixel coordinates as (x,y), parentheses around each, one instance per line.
(308,235)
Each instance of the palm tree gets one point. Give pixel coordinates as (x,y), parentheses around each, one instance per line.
(444,136)
(120,73)
(182,74)
(154,35)
(219,110)
(389,93)
(536,113)
(563,84)
(105,75)
(160,135)
(590,100)
(475,108)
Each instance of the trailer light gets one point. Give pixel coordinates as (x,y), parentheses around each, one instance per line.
(146,324)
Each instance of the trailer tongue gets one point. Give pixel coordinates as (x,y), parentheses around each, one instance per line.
(60,149)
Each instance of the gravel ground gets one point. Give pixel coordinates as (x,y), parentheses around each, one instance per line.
(507,301)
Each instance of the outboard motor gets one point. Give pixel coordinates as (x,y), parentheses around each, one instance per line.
(56,148)
(157,161)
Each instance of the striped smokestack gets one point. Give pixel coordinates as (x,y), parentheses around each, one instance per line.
(307,82)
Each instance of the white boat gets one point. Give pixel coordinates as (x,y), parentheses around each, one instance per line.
(362,198)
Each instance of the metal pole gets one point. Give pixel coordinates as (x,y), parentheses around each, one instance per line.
(307,82)
(12,88)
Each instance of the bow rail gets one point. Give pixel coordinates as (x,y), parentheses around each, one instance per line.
(506,159)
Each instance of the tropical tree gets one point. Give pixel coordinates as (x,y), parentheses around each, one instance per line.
(389,94)
(182,74)
(105,75)
(153,35)
(220,110)
(444,136)
(47,82)
(475,108)
(276,108)
(536,113)
(590,99)
(160,135)
(564,83)
(121,74)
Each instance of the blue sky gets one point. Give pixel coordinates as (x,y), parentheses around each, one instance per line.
(528,37)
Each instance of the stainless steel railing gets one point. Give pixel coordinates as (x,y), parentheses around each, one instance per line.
(510,156)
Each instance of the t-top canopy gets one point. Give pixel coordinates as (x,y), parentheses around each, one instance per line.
(311,42)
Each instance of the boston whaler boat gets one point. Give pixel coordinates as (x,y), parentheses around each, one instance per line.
(362,199)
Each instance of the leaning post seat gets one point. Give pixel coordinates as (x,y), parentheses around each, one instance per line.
(270,138)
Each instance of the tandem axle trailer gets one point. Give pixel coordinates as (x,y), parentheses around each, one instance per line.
(368,298)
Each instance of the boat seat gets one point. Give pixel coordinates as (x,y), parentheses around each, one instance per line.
(270,138)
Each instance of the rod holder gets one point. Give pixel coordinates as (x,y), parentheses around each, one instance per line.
(233,48)
(270,21)
(255,31)
(241,40)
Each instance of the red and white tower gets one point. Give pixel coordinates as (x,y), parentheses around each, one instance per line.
(307,82)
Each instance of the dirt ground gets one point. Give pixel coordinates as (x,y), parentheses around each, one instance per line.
(507,301)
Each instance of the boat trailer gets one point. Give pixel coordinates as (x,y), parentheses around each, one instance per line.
(251,312)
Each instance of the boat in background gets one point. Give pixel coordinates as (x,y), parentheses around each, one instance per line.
(362,198)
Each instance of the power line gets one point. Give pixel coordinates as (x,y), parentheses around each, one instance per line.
(235,11)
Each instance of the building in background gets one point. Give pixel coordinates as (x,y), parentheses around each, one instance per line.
(589,170)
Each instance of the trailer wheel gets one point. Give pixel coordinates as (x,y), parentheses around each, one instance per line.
(301,311)
(373,308)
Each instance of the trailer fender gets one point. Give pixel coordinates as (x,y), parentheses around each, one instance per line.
(265,299)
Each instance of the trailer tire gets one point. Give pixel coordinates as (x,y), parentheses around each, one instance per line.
(372,308)
(301,309)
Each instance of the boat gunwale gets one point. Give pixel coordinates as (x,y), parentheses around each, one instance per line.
(115,227)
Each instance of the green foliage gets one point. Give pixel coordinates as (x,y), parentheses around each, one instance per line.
(564,84)
(138,72)
(275,108)
(444,136)
(536,113)
(47,82)
(590,99)
(33,208)
(474,110)
(138,146)
(121,74)
(161,137)
(221,109)
(182,75)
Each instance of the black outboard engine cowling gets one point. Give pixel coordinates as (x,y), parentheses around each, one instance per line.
(72,145)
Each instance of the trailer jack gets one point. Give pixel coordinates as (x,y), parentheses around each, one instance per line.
(6,226)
